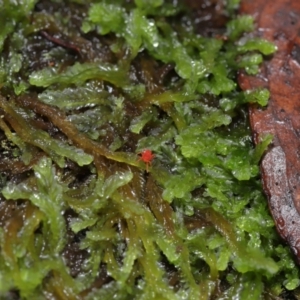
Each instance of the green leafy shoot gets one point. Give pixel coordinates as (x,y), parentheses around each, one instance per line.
(85,211)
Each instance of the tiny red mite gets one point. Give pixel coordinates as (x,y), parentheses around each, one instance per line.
(146,157)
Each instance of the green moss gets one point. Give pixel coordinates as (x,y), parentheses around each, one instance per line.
(89,221)
(78,74)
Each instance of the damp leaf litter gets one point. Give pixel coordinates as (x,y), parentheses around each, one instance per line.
(87,86)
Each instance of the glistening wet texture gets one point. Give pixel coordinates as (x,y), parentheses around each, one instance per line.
(279,22)
(127,165)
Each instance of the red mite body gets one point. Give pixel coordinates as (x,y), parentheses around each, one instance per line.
(146,157)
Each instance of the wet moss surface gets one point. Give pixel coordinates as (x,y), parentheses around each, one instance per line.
(88,90)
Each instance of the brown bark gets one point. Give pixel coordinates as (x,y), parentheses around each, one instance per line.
(279,22)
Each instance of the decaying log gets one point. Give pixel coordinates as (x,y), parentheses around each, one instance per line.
(279,21)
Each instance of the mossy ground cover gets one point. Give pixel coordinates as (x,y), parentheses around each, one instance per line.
(86,86)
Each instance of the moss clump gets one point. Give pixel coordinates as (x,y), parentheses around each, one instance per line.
(85,87)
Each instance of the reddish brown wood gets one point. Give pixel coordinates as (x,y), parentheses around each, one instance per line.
(279,22)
